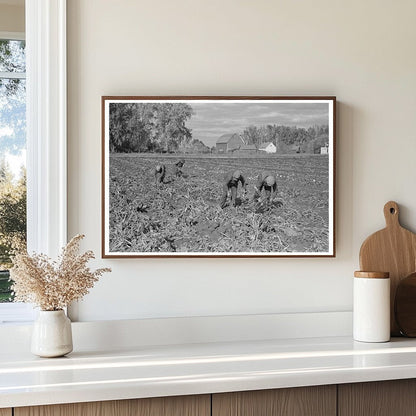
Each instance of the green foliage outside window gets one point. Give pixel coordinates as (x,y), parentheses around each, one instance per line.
(12,145)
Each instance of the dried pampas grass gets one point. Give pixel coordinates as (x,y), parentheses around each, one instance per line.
(53,285)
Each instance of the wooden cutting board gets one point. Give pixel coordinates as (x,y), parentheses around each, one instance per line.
(393,250)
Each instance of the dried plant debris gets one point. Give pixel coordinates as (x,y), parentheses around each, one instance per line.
(184,215)
(53,285)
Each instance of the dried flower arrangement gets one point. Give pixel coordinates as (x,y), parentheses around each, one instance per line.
(53,285)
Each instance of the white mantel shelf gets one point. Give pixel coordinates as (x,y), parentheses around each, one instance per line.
(151,371)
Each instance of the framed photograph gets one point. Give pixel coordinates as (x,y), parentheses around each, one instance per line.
(218,176)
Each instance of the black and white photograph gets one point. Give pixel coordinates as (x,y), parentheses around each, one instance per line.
(218,176)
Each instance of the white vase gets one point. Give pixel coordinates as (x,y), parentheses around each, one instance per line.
(52,334)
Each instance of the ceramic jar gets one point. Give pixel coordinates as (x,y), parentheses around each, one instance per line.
(371,307)
(52,334)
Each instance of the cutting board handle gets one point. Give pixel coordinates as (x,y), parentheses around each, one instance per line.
(391,214)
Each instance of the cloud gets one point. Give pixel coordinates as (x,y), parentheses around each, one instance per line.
(211,120)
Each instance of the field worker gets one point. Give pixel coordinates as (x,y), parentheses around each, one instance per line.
(231,184)
(266,181)
(178,168)
(160,171)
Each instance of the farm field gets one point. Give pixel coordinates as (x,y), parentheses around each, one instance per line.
(184,216)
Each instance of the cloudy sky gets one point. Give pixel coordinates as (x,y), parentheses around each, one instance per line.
(211,120)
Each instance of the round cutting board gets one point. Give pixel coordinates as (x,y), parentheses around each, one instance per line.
(405,306)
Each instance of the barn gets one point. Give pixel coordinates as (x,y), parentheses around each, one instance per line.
(228,143)
(268,147)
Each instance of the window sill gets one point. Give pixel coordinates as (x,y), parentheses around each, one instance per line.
(16,313)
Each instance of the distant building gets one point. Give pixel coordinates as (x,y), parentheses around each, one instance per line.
(229,143)
(315,146)
(268,147)
(324,149)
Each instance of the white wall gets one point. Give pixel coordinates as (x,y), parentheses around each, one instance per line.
(12,18)
(361,51)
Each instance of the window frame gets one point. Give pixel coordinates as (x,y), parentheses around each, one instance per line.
(46,125)
(46,137)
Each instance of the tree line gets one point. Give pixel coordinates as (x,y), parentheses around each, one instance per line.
(287,135)
(149,127)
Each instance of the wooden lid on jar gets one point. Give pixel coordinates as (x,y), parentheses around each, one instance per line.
(372,275)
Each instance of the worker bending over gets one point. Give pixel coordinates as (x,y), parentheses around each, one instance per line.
(230,185)
(266,182)
(160,172)
(178,168)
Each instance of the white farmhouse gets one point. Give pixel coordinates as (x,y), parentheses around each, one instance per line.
(268,147)
(324,149)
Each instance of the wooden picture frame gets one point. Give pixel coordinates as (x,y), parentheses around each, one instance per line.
(204,176)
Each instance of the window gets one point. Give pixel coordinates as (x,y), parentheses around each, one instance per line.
(46,134)
(12,154)
(12,165)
